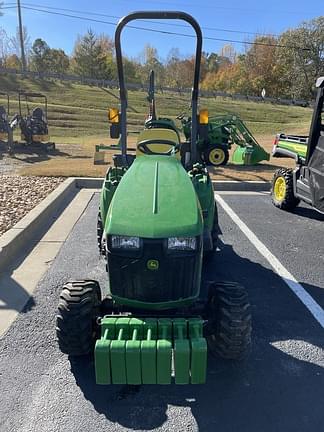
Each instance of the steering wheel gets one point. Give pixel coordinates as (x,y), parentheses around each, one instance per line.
(143,146)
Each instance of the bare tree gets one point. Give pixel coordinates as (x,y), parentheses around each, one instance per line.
(15,43)
(4,46)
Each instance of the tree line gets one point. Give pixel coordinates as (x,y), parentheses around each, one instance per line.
(285,66)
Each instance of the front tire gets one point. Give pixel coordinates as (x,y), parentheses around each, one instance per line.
(78,308)
(282,190)
(217,155)
(229,320)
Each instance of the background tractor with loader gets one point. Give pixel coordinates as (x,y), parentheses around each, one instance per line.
(215,137)
(157,219)
(222,132)
(306,181)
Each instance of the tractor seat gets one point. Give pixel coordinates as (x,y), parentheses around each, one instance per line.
(158,141)
(38,114)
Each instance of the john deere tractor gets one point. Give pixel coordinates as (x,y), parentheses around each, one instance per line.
(157,219)
(222,132)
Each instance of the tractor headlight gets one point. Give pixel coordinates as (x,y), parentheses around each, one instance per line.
(125,242)
(182,243)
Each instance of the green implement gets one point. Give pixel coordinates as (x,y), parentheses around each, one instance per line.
(151,351)
(222,132)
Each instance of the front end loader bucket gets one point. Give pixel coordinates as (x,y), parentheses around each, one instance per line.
(151,351)
(249,155)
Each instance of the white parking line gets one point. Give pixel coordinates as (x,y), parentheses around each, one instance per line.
(313,307)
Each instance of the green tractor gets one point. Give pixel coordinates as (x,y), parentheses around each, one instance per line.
(306,181)
(157,221)
(222,132)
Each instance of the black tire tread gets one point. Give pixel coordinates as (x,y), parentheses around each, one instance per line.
(290,201)
(77,310)
(231,320)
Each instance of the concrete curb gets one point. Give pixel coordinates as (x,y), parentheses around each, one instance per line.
(24,233)
(14,241)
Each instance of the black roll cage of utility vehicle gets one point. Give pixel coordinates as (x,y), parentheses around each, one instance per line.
(317,123)
(308,176)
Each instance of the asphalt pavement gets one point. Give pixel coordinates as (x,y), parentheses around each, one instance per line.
(278,387)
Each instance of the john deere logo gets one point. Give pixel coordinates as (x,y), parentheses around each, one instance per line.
(153,264)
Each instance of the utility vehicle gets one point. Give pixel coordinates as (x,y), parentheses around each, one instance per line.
(306,181)
(290,145)
(157,219)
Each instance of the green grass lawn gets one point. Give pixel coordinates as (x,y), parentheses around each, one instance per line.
(77,117)
(77,111)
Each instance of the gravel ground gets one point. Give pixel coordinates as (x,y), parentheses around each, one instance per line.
(18,195)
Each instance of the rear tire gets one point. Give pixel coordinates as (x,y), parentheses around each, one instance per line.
(282,190)
(78,309)
(229,320)
(217,155)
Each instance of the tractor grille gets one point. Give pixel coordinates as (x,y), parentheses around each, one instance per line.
(176,278)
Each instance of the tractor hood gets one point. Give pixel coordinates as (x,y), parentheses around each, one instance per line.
(155,199)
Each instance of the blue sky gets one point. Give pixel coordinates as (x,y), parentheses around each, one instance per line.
(250,16)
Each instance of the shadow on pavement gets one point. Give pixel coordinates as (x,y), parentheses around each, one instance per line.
(309,213)
(14,296)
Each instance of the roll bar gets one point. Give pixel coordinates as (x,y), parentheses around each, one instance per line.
(315,128)
(31,95)
(173,15)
